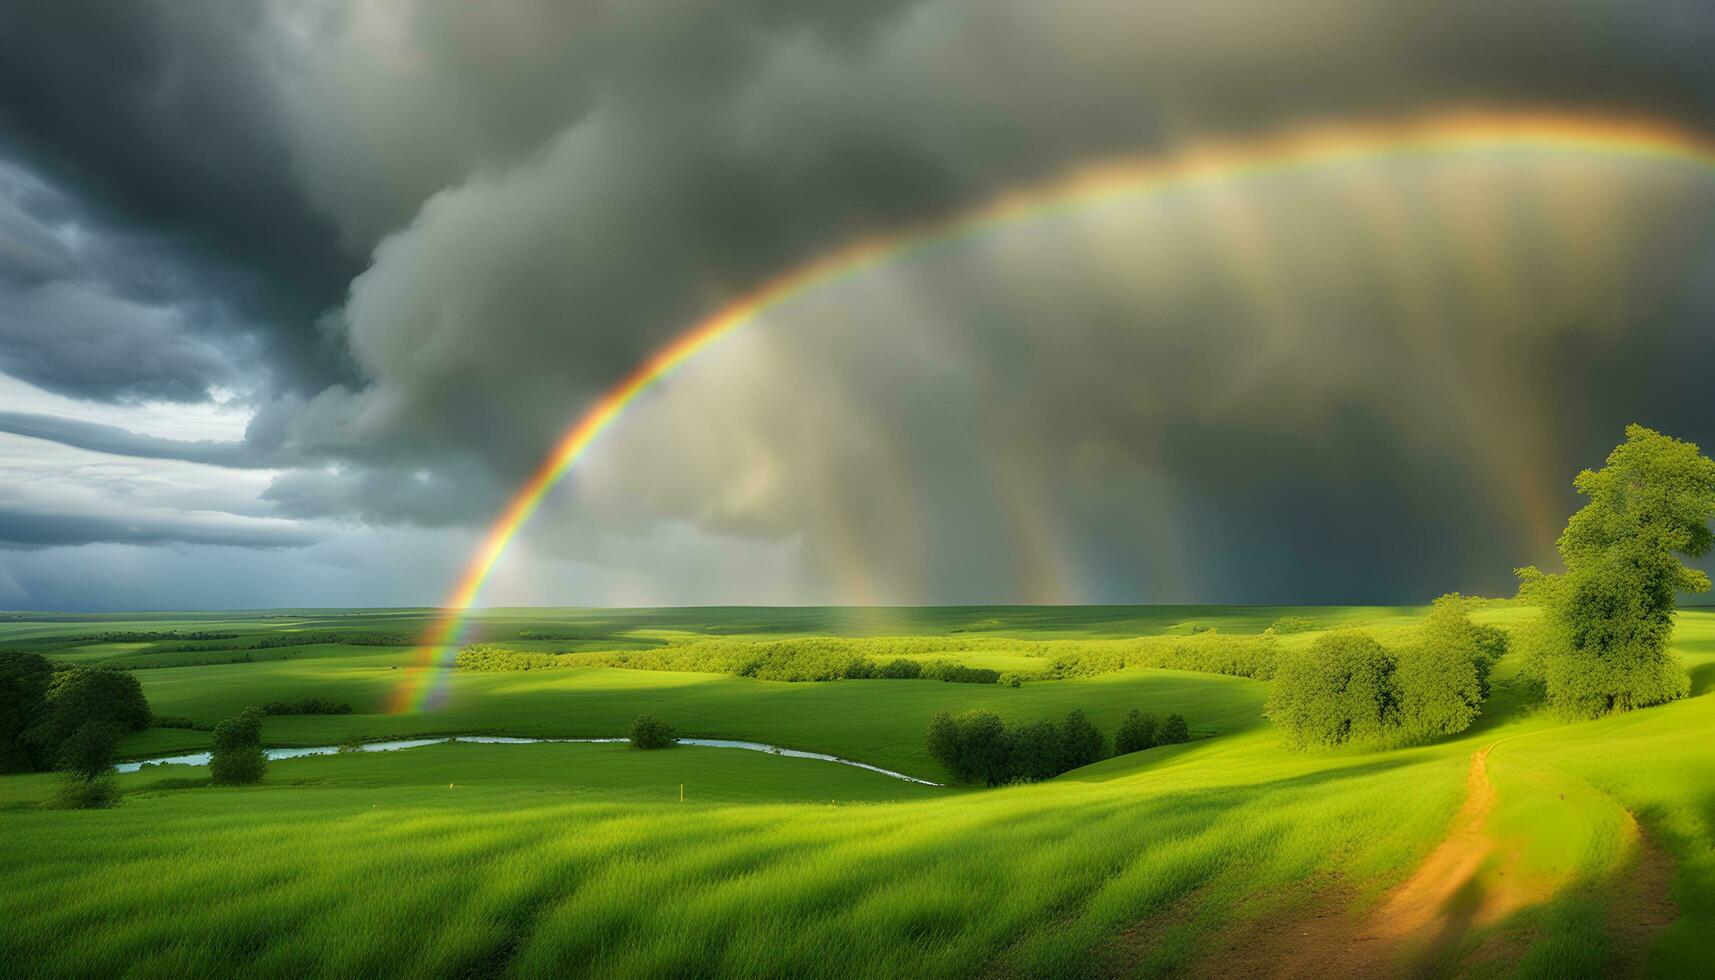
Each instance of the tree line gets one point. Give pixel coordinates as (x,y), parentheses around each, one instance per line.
(977,747)
(1600,645)
(832,658)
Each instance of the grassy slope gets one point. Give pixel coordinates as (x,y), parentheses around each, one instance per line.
(560,858)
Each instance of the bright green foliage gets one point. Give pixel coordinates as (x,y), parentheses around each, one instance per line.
(1602,643)
(1493,643)
(832,658)
(238,757)
(24,681)
(1440,683)
(1340,689)
(1287,625)
(1347,687)
(1174,731)
(1136,733)
(650,732)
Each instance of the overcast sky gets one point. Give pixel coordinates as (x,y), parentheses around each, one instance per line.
(295,293)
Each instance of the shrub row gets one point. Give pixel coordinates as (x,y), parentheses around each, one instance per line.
(489,657)
(977,747)
(146,636)
(307,706)
(1207,652)
(828,658)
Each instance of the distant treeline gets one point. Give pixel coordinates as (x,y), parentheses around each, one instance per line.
(977,747)
(350,638)
(145,636)
(307,706)
(774,660)
(832,658)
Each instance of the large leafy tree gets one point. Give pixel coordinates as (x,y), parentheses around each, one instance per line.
(24,681)
(1602,643)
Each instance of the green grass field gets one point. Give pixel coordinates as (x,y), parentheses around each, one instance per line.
(527,859)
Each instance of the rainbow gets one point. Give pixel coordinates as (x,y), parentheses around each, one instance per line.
(1441,133)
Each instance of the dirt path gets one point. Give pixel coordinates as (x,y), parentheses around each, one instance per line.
(1421,920)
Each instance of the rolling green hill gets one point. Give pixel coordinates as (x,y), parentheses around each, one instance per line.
(1593,849)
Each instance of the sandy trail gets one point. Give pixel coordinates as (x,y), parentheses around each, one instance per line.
(1464,884)
(1454,890)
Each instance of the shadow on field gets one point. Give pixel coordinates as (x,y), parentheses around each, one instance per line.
(1702,679)
(1597,926)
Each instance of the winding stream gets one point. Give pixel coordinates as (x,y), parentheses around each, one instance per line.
(201,758)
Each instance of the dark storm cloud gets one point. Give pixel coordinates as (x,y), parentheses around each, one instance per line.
(159,116)
(33,528)
(532,196)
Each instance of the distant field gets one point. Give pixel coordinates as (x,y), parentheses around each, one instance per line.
(519,860)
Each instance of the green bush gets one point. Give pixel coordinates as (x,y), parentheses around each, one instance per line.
(1287,625)
(1174,731)
(902,668)
(1439,674)
(78,793)
(650,732)
(1339,690)
(1136,733)
(238,757)
(1348,688)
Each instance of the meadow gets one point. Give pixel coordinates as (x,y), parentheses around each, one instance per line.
(1597,856)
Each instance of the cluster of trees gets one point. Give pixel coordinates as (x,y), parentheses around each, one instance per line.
(69,719)
(307,706)
(650,732)
(1601,644)
(1348,688)
(977,747)
(1141,731)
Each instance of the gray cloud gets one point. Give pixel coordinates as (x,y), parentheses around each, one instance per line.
(123,442)
(43,528)
(507,207)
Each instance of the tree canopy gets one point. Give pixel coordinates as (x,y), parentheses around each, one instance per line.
(1602,643)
